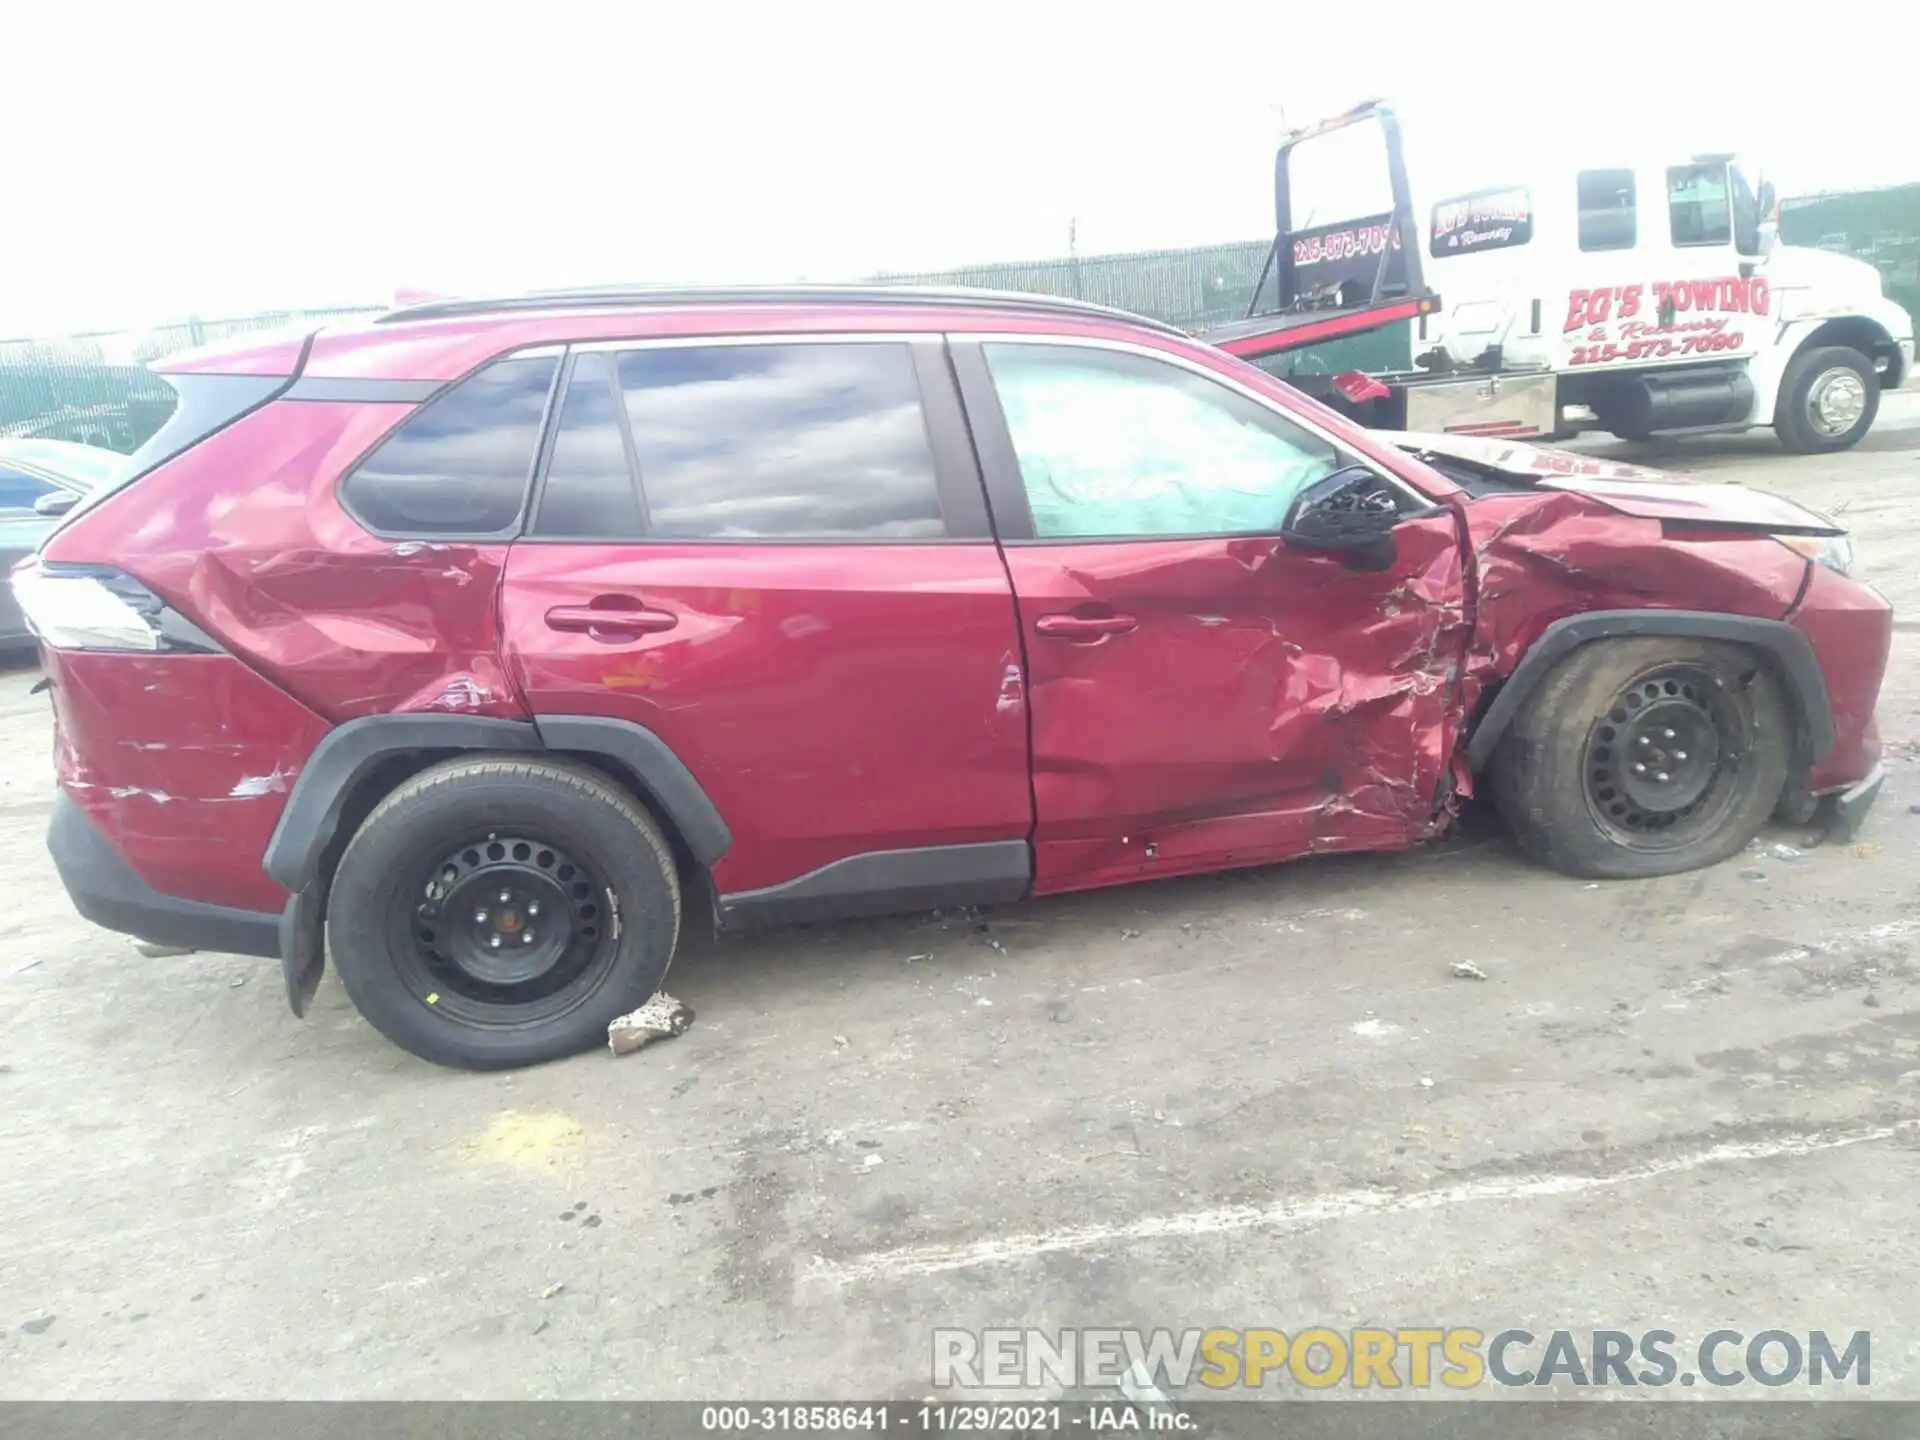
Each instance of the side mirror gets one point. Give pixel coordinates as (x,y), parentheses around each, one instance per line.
(55,502)
(1350,514)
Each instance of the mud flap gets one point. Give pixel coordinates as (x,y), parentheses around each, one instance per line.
(303,945)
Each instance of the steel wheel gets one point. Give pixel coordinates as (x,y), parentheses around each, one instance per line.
(1663,763)
(1836,400)
(510,929)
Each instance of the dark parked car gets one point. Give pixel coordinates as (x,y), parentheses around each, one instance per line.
(40,480)
(495,642)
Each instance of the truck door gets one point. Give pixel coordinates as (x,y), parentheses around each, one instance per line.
(1659,279)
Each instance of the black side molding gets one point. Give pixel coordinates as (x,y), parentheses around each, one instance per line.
(110,893)
(646,757)
(884,882)
(343,759)
(1788,648)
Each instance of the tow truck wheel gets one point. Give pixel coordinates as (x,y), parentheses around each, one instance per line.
(1828,399)
(1641,757)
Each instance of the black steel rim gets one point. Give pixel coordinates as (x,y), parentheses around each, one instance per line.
(509,930)
(1663,763)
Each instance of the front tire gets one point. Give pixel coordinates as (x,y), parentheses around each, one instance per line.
(1828,399)
(491,913)
(1643,757)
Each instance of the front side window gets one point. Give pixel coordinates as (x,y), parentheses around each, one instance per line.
(460,464)
(1607,220)
(1697,205)
(816,440)
(1114,444)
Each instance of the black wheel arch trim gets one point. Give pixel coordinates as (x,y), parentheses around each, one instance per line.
(651,761)
(1789,649)
(345,756)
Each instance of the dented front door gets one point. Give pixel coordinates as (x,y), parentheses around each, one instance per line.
(1201,694)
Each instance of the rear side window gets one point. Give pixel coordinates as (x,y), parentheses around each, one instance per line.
(1607,210)
(807,441)
(589,492)
(1697,205)
(460,464)
(1484,220)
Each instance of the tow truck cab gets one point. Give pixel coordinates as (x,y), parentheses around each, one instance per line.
(1657,293)
(1645,296)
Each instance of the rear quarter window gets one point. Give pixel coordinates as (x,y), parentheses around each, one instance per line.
(461,464)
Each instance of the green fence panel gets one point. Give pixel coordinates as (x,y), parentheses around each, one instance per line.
(1881,227)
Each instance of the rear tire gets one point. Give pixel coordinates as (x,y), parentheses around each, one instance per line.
(1828,399)
(1642,757)
(491,913)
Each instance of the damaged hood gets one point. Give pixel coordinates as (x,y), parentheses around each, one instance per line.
(1630,489)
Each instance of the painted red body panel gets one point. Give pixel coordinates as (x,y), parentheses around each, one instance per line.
(347,623)
(185,761)
(1851,630)
(1268,703)
(1543,555)
(831,699)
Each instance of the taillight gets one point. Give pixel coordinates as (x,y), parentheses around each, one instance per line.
(95,607)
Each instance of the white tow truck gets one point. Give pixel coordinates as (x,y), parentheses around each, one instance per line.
(1647,296)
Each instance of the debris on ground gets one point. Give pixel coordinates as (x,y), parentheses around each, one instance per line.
(1863,849)
(1872,1002)
(1129,933)
(661,1018)
(1467,970)
(1426,1082)
(870,1161)
(553,1290)
(1785,852)
(917,959)
(1759,875)
(840,1040)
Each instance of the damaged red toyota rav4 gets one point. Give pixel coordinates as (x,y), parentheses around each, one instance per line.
(488,645)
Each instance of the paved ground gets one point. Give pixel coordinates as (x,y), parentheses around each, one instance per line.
(1248,1100)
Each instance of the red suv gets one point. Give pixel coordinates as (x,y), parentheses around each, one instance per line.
(487,642)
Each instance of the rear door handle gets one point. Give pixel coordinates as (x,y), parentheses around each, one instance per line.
(1084,627)
(611,618)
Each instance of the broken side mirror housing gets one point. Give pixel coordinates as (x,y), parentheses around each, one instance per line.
(1349,513)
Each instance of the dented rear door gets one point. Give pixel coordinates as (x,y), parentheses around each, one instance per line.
(1202,695)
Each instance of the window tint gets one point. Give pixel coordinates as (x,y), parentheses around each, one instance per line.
(1115,444)
(1697,205)
(589,488)
(18,490)
(1607,210)
(459,465)
(806,441)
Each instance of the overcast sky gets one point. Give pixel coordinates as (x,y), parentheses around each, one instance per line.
(187,157)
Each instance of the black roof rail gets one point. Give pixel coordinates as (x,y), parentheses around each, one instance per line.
(615,297)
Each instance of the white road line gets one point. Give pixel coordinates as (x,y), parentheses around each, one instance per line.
(1288,1214)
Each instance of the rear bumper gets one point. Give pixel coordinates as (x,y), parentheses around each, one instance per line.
(105,890)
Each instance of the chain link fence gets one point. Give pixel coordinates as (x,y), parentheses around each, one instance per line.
(96,388)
